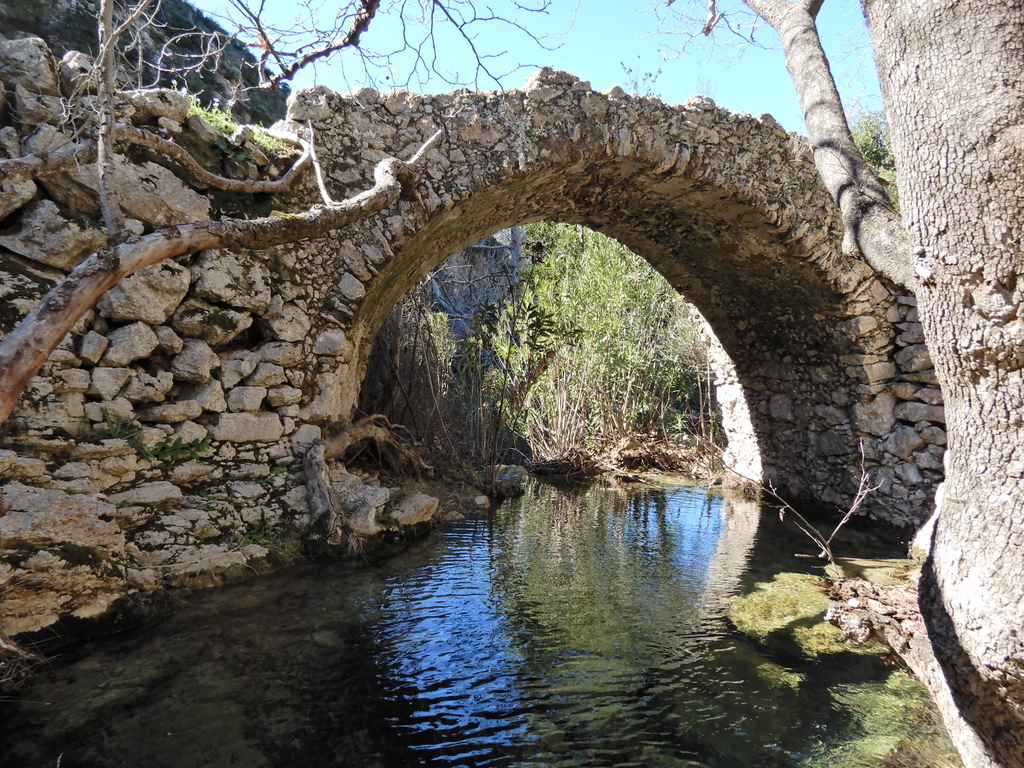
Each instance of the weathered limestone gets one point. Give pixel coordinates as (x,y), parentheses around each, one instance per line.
(151,294)
(48,236)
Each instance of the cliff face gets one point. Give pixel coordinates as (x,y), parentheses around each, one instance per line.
(70,25)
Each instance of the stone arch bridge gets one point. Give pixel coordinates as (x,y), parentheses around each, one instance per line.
(827,356)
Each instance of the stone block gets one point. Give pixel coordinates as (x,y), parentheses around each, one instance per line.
(305,436)
(14,195)
(170,342)
(236,366)
(247,428)
(152,494)
(172,413)
(281,353)
(39,518)
(215,325)
(153,103)
(351,288)
(219,276)
(210,397)
(128,344)
(151,294)
(28,61)
(246,398)
(331,342)
(914,358)
(195,362)
(50,237)
(266,375)
(190,432)
(903,442)
(92,346)
(192,472)
(285,322)
(915,412)
(103,449)
(283,396)
(145,388)
(108,382)
(875,417)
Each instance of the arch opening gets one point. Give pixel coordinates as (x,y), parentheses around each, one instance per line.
(555,344)
(727,207)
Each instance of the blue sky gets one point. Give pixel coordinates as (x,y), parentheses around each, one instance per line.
(597,40)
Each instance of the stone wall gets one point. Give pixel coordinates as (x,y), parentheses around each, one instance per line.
(159,443)
(170,419)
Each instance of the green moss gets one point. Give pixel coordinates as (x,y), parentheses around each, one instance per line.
(792,607)
(884,713)
(777,676)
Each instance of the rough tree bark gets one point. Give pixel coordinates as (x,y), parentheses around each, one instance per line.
(953,78)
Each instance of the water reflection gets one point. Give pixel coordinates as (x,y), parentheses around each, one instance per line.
(570,628)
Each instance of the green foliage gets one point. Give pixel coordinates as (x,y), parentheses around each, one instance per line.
(635,357)
(174,450)
(115,426)
(871,135)
(226,124)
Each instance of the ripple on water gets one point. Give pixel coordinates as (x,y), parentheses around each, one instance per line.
(567,629)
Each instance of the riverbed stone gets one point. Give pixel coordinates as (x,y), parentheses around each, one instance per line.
(414,508)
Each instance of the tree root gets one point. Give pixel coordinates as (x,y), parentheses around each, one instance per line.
(16,665)
(399,458)
(328,522)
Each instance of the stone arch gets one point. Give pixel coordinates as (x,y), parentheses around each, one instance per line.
(728,207)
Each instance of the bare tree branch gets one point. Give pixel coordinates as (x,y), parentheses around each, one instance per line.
(28,346)
(872,229)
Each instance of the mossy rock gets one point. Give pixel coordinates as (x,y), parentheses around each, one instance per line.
(792,607)
(895,723)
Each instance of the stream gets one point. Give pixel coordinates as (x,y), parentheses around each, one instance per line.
(567,628)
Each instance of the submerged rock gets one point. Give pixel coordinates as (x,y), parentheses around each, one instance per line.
(791,609)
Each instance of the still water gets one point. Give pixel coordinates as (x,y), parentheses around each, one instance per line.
(569,628)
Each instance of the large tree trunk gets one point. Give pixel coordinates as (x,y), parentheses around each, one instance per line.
(952,73)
